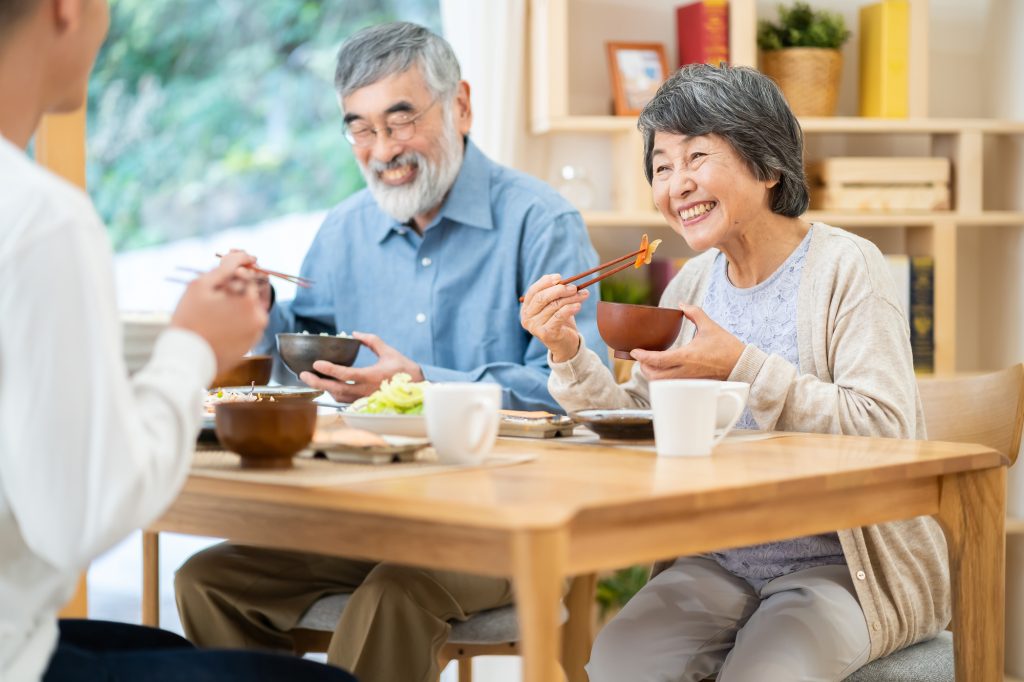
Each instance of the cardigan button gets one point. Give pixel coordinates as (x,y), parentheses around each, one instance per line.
(876,626)
(861,575)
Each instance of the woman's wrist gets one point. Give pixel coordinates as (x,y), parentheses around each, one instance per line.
(564,352)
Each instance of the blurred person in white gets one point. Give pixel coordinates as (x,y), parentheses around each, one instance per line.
(87,454)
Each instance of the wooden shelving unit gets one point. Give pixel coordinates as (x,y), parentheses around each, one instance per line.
(935,233)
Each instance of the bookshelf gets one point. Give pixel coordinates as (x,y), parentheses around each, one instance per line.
(561,107)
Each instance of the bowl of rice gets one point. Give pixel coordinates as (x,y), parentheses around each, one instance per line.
(300,351)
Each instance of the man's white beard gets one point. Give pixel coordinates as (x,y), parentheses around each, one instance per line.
(427,191)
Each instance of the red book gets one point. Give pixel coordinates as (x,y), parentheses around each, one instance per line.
(702,32)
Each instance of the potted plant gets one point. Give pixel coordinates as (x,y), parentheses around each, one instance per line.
(801,53)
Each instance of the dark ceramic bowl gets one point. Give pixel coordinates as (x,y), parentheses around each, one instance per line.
(625,326)
(300,351)
(265,434)
(251,369)
(617,424)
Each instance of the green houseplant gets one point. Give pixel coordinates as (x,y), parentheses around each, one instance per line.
(801,53)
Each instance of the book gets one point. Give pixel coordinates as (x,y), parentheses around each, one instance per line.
(702,32)
(884,57)
(922,313)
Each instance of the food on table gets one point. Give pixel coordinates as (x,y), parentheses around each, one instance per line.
(213,398)
(342,335)
(397,395)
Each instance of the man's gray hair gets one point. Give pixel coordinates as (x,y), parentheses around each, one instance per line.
(380,51)
(744,107)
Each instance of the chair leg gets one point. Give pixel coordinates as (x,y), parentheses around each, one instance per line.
(578,631)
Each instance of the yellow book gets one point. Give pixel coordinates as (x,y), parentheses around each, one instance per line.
(884,56)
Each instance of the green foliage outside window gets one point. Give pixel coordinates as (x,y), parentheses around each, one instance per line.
(801,26)
(205,115)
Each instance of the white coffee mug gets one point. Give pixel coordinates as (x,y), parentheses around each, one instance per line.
(684,415)
(462,420)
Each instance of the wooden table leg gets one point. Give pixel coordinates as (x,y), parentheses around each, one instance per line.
(151,579)
(538,568)
(972,511)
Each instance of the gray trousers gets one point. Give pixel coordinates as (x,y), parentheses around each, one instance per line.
(695,620)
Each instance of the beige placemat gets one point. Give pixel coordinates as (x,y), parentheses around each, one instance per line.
(307,472)
(584,436)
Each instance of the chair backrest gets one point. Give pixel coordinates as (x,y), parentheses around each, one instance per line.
(984,408)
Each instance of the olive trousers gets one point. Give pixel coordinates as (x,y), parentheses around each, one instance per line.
(392,630)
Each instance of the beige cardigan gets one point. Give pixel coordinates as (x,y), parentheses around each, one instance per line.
(856,376)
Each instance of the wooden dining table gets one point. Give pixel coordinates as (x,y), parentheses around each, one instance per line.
(577,508)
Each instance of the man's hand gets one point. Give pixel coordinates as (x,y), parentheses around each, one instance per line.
(712,354)
(347,384)
(222,306)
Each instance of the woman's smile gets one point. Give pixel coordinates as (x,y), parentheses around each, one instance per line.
(695,212)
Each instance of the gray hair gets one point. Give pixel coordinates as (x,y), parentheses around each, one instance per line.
(380,51)
(744,107)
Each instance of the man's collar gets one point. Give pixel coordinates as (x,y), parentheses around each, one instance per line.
(468,202)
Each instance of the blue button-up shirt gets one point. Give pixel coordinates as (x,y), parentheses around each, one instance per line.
(447,299)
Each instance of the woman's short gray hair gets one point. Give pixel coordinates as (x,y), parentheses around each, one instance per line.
(744,107)
(380,51)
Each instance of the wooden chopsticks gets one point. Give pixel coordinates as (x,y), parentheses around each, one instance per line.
(627,258)
(294,279)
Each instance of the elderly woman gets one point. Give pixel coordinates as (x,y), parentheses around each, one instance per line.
(808,316)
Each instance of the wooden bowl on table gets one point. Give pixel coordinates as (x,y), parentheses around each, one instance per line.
(625,326)
(250,369)
(265,434)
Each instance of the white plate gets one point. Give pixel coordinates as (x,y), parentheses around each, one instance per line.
(411,425)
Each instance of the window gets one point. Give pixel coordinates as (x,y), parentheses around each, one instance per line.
(215,124)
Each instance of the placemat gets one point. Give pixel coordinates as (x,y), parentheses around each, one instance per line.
(307,472)
(584,436)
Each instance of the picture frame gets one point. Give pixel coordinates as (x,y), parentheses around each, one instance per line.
(637,70)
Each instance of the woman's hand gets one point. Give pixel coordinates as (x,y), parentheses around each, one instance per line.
(712,354)
(548,312)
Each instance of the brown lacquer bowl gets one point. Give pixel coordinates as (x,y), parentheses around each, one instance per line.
(300,351)
(625,326)
(265,434)
(251,369)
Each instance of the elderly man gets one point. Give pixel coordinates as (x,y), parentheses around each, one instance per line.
(427,265)
(432,257)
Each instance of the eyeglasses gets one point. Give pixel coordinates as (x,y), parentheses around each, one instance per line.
(400,126)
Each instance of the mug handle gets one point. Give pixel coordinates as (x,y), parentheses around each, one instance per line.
(484,429)
(739,411)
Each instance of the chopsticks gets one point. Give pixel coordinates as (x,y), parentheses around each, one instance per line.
(642,255)
(294,279)
(622,267)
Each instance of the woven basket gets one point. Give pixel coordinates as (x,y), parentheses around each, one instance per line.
(808,76)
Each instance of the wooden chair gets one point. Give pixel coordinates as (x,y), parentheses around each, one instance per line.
(986,409)
(488,633)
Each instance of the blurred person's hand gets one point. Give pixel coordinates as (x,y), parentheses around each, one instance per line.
(224,308)
(348,384)
(264,289)
(549,313)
